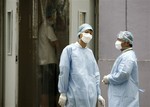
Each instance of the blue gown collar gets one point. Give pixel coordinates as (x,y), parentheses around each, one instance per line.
(127,50)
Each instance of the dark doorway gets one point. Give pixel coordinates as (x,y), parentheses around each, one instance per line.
(29,20)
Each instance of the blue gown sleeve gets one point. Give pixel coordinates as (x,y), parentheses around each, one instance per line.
(64,67)
(122,72)
(97,76)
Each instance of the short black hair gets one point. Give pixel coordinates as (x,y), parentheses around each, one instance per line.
(50,11)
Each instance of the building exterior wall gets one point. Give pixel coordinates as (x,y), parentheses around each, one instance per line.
(114,16)
(139,24)
(120,15)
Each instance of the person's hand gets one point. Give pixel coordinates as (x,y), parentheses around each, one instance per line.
(101,100)
(105,79)
(62,100)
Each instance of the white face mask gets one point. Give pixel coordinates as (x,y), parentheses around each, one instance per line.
(118,45)
(86,37)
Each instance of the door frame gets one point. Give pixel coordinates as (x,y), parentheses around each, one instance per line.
(96,29)
(2,7)
(10,73)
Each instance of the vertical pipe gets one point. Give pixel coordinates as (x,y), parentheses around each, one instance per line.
(126,15)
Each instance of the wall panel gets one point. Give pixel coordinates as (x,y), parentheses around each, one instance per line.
(139,23)
(115,16)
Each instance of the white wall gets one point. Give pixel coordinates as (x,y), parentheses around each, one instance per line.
(11,74)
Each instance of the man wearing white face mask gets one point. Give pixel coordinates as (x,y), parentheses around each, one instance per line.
(79,78)
(123,80)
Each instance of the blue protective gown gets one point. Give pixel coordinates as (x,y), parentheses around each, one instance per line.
(79,76)
(123,81)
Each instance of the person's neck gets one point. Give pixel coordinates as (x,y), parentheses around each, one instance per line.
(82,43)
(127,49)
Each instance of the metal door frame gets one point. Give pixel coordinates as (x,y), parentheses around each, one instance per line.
(2,6)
